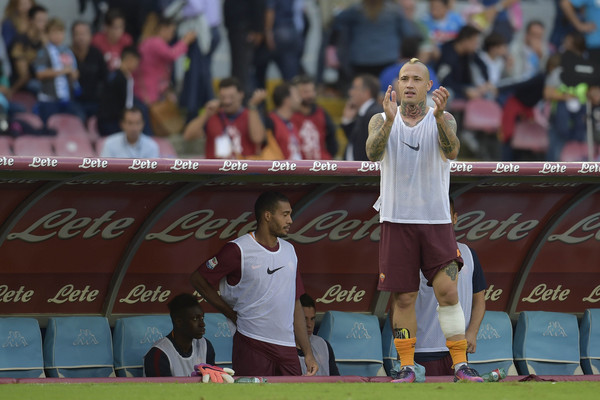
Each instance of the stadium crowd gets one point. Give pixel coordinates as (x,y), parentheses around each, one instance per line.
(535,84)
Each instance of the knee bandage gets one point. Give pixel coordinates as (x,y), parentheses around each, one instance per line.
(452,320)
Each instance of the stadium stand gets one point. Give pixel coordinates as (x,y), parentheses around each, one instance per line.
(133,337)
(165,148)
(73,146)
(78,347)
(356,342)
(494,344)
(6,146)
(574,151)
(590,341)
(219,333)
(530,135)
(92,128)
(482,115)
(547,343)
(30,118)
(21,348)
(67,125)
(30,145)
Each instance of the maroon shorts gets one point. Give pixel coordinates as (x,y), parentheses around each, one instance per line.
(404,249)
(251,357)
(439,367)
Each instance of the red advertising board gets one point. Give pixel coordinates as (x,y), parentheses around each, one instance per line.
(119,237)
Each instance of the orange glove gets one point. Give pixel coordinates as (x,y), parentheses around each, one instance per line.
(212,373)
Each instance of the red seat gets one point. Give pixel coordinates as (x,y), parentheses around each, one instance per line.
(29,145)
(482,115)
(5,146)
(574,151)
(165,148)
(67,124)
(100,144)
(73,146)
(529,135)
(25,99)
(32,119)
(92,128)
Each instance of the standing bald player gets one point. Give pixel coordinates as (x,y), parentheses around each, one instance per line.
(415,144)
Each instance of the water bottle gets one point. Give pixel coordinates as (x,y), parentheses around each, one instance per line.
(250,379)
(494,375)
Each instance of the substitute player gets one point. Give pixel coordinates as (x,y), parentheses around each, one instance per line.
(260,287)
(415,144)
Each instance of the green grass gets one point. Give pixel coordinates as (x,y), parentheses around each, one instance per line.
(309,391)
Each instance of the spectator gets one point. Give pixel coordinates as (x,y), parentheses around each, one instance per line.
(24,49)
(442,22)
(362,104)
(588,25)
(504,16)
(205,17)
(321,348)
(371,35)
(231,131)
(112,39)
(562,26)
(130,142)
(530,55)
(16,19)
(92,68)
(117,92)
(427,50)
(259,291)
(185,346)
(135,13)
(568,116)
(315,127)
(153,77)
(56,69)
(287,102)
(282,43)
(492,60)
(431,350)
(454,66)
(245,23)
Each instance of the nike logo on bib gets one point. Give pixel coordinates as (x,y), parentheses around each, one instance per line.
(415,148)
(272,271)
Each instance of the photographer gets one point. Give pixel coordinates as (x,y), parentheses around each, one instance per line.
(230,129)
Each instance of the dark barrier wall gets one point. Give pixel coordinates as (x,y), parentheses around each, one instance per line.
(116,237)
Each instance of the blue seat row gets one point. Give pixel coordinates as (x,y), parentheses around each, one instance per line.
(544,343)
(75,347)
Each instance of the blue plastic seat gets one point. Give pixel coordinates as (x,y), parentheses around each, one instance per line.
(590,341)
(356,342)
(219,333)
(547,343)
(494,344)
(78,347)
(20,348)
(133,337)
(390,354)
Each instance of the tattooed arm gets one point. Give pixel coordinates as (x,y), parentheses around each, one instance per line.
(379,129)
(449,142)
(446,124)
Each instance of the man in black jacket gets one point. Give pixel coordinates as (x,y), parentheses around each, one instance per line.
(360,107)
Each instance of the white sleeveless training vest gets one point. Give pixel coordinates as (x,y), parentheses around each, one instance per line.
(265,296)
(430,337)
(415,178)
(321,353)
(181,366)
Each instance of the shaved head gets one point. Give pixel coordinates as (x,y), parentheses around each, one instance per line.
(416,61)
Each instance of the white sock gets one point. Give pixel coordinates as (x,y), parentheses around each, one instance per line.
(457,366)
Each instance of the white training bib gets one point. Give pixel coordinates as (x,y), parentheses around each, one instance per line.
(415,177)
(265,296)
